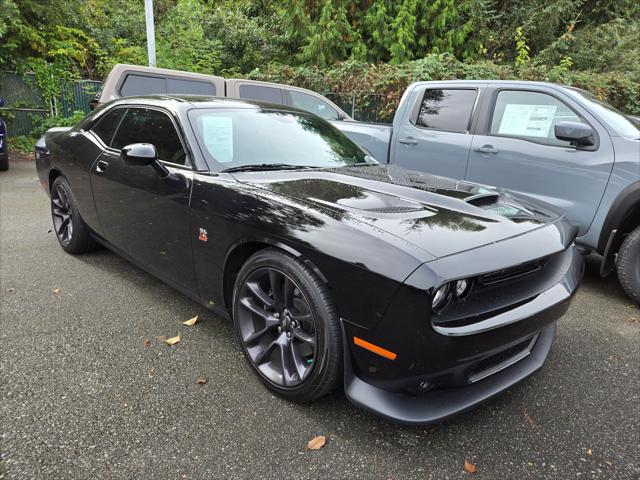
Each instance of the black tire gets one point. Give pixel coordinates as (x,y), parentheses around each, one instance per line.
(4,164)
(64,212)
(628,265)
(315,332)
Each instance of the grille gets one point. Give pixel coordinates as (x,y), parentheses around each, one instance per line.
(502,359)
(511,273)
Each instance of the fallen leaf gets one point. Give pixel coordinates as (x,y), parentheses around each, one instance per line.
(11,289)
(317,443)
(172,340)
(56,290)
(613,357)
(469,467)
(146,342)
(529,420)
(48,231)
(191,322)
(633,320)
(589,451)
(152,372)
(161,338)
(201,380)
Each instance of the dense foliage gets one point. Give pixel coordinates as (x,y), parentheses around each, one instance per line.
(355,47)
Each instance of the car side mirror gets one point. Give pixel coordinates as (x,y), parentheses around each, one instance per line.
(139,154)
(577,133)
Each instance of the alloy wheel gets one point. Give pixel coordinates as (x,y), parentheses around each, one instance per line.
(62,214)
(277,327)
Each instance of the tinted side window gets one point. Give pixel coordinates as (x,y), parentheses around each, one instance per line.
(530,115)
(447,110)
(194,87)
(313,104)
(106,126)
(142,85)
(260,93)
(144,125)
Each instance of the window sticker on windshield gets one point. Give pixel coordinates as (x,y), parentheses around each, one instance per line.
(527,120)
(218,137)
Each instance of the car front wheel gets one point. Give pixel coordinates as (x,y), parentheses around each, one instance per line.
(287,326)
(628,265)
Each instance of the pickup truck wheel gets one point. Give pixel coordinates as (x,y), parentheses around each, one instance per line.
(4,164)
(628,265)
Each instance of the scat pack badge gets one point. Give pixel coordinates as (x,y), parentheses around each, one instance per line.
(203,235)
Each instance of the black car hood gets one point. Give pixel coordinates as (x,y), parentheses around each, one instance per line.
(440,215)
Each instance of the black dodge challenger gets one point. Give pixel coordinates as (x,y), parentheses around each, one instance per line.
(424,295)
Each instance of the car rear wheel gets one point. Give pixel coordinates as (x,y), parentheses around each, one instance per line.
(287,326)
(628,265)
(4,164)
(71,231)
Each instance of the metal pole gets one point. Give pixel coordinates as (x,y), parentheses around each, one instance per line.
(151,37)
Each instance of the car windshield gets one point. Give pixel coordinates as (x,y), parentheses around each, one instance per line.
(616,119)
(233,139)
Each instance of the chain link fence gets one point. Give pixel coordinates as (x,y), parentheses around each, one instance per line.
(24,105)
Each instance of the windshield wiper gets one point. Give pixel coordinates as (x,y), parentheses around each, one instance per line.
(265,166)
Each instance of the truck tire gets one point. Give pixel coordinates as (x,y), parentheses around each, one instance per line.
(4,164)
(628,265)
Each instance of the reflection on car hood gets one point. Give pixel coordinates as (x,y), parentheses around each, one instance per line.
(440,215)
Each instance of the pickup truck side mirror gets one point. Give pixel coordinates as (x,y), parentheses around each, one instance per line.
(139,154)
(575,132)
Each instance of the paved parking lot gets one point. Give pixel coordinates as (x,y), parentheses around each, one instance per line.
(84,396)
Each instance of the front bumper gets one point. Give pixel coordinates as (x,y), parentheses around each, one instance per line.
(461,367)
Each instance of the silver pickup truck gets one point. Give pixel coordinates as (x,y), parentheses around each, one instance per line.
(559,144)
(556,143)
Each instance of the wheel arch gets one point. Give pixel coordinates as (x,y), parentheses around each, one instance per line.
(53,174)
(622,217)
(239,253)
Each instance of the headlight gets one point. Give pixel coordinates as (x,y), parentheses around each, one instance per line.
(462,286)
(440,296)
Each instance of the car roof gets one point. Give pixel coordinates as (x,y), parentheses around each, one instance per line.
(494,82)
(201,101)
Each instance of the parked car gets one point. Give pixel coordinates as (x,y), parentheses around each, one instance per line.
(4,148)
(131,80)
(424,295)
(556,143)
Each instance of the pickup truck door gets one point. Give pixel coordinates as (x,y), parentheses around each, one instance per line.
(434,134)
(515,148)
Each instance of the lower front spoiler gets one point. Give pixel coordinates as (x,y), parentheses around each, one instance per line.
(438,405)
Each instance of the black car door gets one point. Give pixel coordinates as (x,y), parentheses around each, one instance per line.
(142,214)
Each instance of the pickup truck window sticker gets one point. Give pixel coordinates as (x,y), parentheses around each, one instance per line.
(218,137)
(527,120)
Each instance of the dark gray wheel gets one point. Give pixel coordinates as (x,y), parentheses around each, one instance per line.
(71,231)
(628,265)
(287,326)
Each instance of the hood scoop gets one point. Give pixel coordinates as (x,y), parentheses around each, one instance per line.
(483,199)
(378,202)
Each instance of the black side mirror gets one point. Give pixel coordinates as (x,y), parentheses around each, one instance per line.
(575,132)
(1,102)
(139,154)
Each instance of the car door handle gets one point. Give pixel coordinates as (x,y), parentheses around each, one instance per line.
(101,166)
(408,141)
(486,149)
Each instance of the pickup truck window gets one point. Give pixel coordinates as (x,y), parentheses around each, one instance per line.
(142,85)
(262,94)
(531,116)
(448,110)
(147,84)
(145,125)
(313,104)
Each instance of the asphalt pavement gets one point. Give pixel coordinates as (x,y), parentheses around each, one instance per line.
(88,391)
